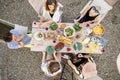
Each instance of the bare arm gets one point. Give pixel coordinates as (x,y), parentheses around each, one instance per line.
(21,37)
(43,57)
(49,22)
(82,14)
(97,19)
(57,56)
(42,19)
(44,23)
(72,66)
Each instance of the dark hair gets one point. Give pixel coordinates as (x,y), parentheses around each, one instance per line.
(81,60)
(53,67)
(96,11)
(83,54)
(51,2)
(7,37)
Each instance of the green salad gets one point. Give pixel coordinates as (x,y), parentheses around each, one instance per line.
(53,26)
(69,31)
(77,27)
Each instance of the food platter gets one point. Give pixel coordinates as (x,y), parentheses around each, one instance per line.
(98,30)
(69,31)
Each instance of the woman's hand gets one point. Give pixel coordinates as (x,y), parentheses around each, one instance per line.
(21,44)
(65,56)
(41,25)
(42,19)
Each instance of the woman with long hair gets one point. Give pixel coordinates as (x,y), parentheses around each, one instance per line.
(51,13)
(77,61)
(89,16)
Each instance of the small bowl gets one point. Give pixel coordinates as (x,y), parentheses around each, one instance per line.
(38,35)
(67,31)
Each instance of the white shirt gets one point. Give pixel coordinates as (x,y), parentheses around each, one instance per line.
(56,16)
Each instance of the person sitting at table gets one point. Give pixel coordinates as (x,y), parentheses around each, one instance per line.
(16,39)
(89,16)
(51,13)
(76,61)
(51,64)
(89,72)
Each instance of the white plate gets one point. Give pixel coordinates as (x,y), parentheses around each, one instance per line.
(72,29)
(35,35)
(87,31)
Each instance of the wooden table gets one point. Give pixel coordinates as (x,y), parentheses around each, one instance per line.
(43,44)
